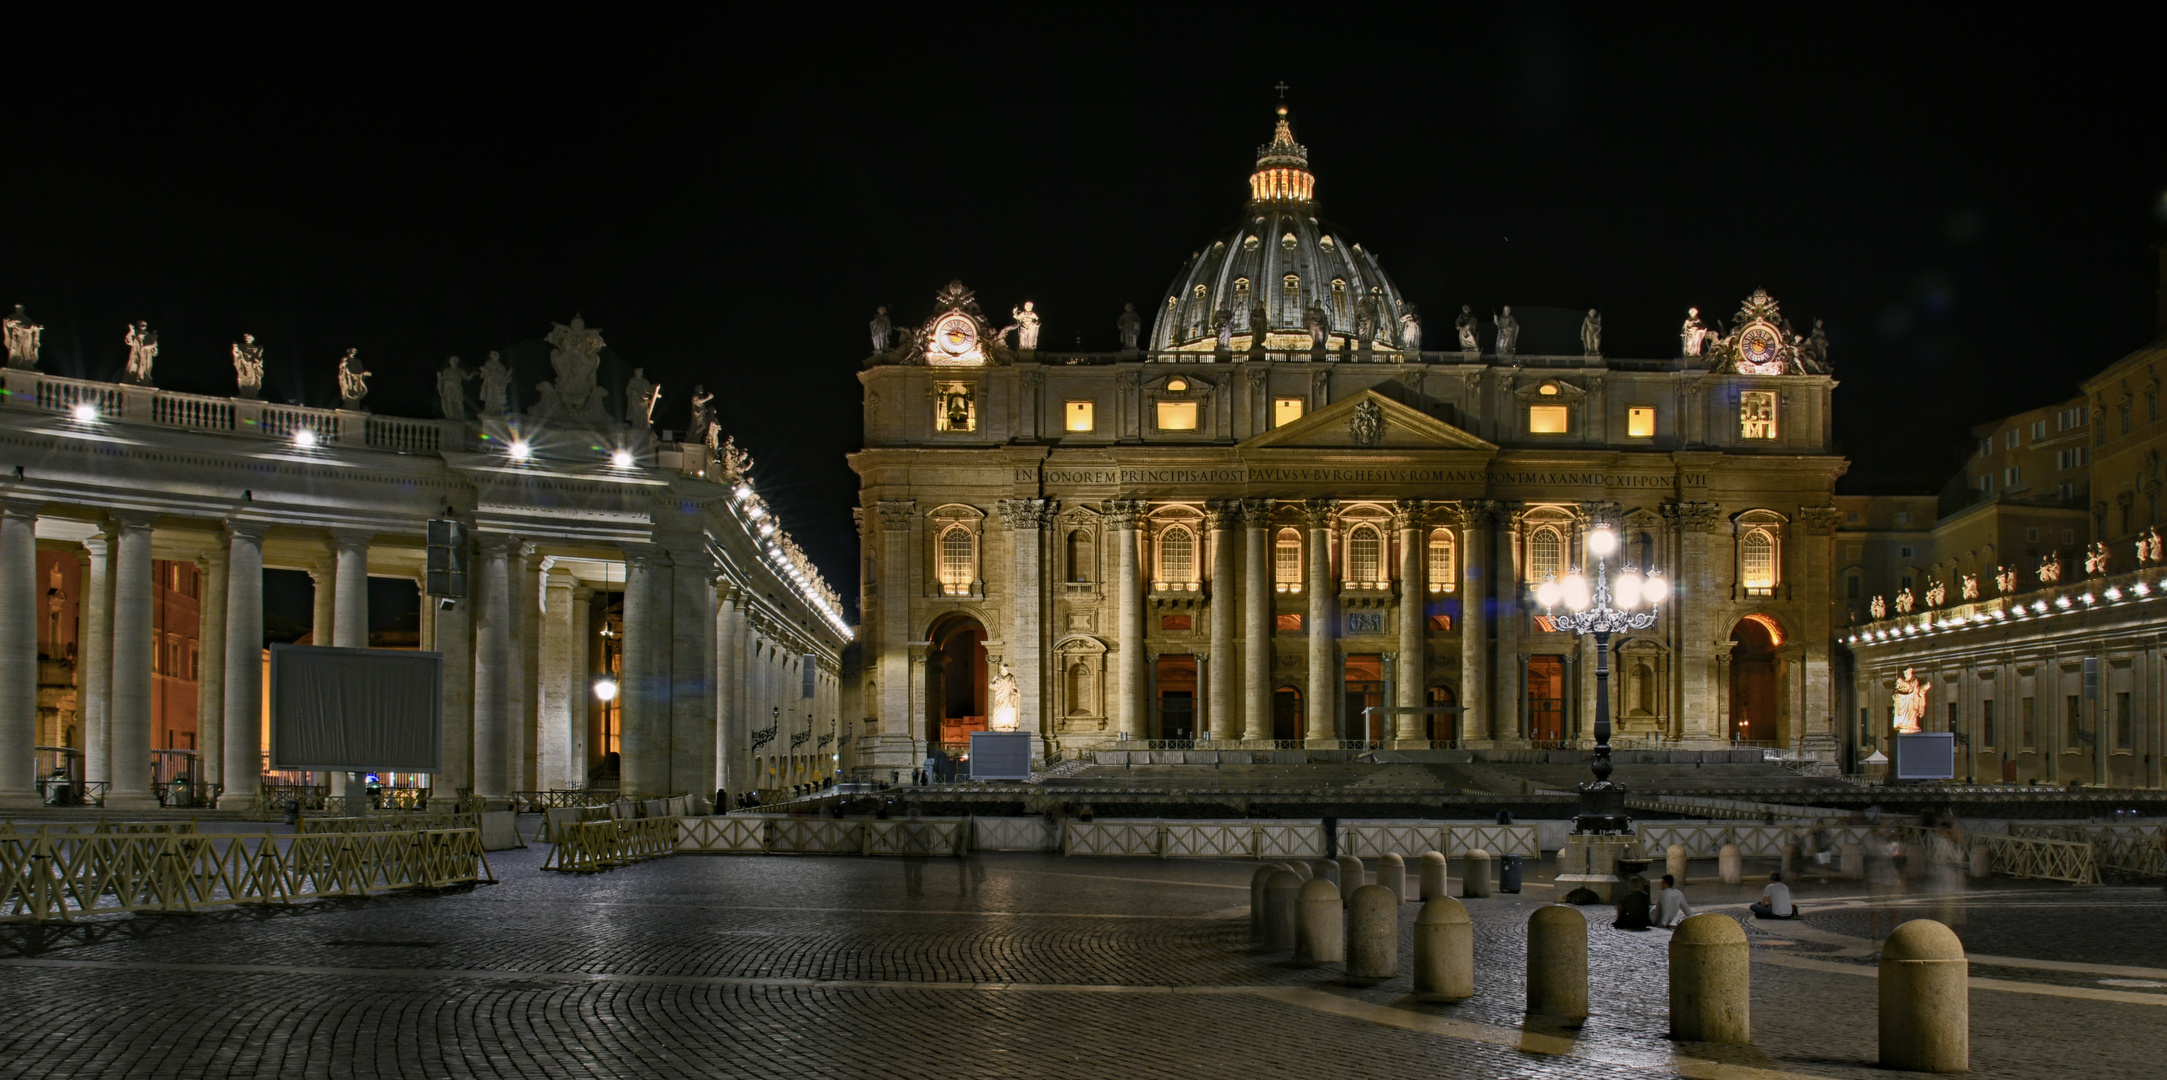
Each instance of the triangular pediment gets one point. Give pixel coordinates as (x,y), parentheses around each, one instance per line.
(1400,427)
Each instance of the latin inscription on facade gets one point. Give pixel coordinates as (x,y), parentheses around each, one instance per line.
(1276,474)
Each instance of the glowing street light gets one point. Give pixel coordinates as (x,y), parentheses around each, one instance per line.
(84,412)
(605,689)
(304,437)
(1603,607)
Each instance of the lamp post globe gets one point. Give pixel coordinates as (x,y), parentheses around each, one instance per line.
(1599,605)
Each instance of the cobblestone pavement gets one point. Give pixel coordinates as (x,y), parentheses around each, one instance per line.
(1002,965)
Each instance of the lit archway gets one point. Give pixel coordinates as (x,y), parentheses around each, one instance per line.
(1753,678)
(955,679)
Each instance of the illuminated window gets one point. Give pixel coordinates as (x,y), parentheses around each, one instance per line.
(1078,416)
(1757,414)
(1177,556)
(1640,422)
(1364,556)
(1241,297)
(1287,560)
(1546,420)
(1286,243)
(1291,293)
(1757,561)
(1286,410)
(1291,621)
(1177,416)
(1545,554)
(1440,561)
(1339,298)
(1548,389)
(959,551)
(956,408)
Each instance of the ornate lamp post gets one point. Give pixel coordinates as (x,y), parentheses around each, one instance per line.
(1602,607)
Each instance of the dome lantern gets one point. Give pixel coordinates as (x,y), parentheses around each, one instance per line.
(1282,168)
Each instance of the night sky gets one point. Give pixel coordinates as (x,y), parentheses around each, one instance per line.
(1971,202)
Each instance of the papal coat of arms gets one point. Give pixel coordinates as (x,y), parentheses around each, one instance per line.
(1367,424)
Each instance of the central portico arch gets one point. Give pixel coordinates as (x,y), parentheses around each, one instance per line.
(955,698)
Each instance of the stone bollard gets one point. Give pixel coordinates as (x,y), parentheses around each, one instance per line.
(1730,865)
(1352,876)
(1711,981)
(1791,856)
(1475,873)
(1854,862)
(1557,963)
(1392,874)
(1325,869)
(1982,860)
(1280,897)
(1674,861)
(1433,877)
(1373,933)
(1301,869)
(1444,950)
(1925,999)
(1258,883)
(1320,929)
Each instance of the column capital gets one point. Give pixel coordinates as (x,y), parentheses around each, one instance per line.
(1027,514)
(351,536)
(1481,513)
(1696,517)
(1255,511)
(251,531)
(1221,514)
(20,506)
(897,515)
(1409,514)
(133,520)
(1124,514)
(1320,513)
(1819,520)
(498,544)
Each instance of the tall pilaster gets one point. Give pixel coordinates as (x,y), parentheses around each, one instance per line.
(211,670)
(729,746)
(1477,519)
(1257,622)
(691,764)
(1818,726)
(96,685)
(130,786)
(731,696)
(1323,697)
(897,719)
(1027,520)
(350,593)
(1222,519)
(558,689)
(1412,678)
(1508,700)
(243,654)
(1123,520)
(1700,702)
(19,653)
(492,664)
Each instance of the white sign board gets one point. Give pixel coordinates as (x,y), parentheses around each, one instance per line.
(1000,755)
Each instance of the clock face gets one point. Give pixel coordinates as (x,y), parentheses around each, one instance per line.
(955,335)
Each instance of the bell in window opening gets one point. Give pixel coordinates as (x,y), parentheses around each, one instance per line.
(958,408)
(1757,414)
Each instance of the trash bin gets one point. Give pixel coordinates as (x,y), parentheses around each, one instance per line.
(1508,874)
(293,812)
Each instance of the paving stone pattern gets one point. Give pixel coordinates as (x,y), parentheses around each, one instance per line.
(997,966)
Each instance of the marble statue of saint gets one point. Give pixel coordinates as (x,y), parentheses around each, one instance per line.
(248,367)
(451,394)
(1508,333)
(142,352)
(2005,580)
(2096,560)
(1365,318)
(1591,333)
(1880,608)
(1260,326)
(1465,324)
(576,353)
(1817,346)
(640,398)
(2050,569)
(1314,319)
(881,328)
(1910,701)
(1936,592)
(1129,325)
(1222,322)
(735,461)
(1905,601)
(353,380)
(23,339)
(1410,329)
(1693,336)
(2148,547)
(1026,326)
(1003,701)
(1971,586)
(496,386)
(703,413)
(547,401)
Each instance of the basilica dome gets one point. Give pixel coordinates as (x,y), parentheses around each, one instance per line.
(1283,259)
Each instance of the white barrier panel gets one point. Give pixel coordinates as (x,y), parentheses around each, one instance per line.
(1015,834)
(722,835)
(925,836)
(1369,839)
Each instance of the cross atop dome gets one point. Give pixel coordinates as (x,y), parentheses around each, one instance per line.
(1282,167)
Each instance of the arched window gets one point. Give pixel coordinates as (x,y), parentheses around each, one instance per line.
(1241,297)
(1287,560)
(1177,556)
(1642,552)
(959,551)
(1080,556)
(1440,561)
(1339,298)
(1363,557)
(1757,561)
(1545,554)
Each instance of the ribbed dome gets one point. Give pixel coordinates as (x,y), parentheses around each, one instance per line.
(1283,257)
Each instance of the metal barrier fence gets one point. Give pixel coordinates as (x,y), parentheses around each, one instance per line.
(404,822)
(535,802)
(2034,857)
(591,846)
(749,834)
(1253,839)
(47,876)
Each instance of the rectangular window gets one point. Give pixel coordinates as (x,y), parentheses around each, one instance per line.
(1905,552)
(2069,536)
(2039,430)
(1986,724)
(2031,535)
(1757,414)
(2011,476)
(2027,725)
(1903,517)
(1077,416)
(1286,410)
(956,408)
(1640,422)
(2009,438)
(1177,622)
(1290,622)
(1440,565)
(1177,416)
(1852,587)
(1287,561)
(2122,721)
(2067,489)
(1986,483)
(1986,448)
(1952,716)
(1546,420)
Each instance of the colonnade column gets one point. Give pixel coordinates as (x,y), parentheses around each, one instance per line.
(643,743)
(1412,678)
(1122,523)
(733,736)
(131,739)
(1222,518)
(558,691)
(96,685)
(211,671)
(242,715)
(525,733)
(19,653)
(1318,624)
(1476,520)
(1257,622)
(462,676)
(323,579)
(582,668)
(1509,691)
(690,764)
(350,595)
(492,664)
(1701,658)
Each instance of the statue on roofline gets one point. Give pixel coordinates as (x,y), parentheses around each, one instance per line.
(451,380)
(1128,325)
(1591,333)
(142,352)
(640,398)
(1465,324)
(23,339)
(1693,337)
(1508,333)
(881,327)
(496,386)
(248,368)
(1410,329)
(353,380)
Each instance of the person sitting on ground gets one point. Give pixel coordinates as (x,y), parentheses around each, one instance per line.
(1633,906)
(1775,901)
(1670,905)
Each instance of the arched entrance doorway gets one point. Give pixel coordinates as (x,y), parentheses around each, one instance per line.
(1444,727)
(1753,679)
(1286,713)
(955,681)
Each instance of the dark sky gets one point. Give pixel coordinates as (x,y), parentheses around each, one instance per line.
(1969,199)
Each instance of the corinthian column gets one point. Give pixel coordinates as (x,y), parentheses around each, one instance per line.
(1699,704)
(1222,518)
(492,666)
(1122,521)
(1407,689)
(1476,520)
(243,712)
(19,654)
(211,671)
(1257,623)
(644,744)
(558,692)
(1027,518)
(130,787)
(1323,643)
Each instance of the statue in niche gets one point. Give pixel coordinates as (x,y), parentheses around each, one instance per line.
(1410,329)
(1935,593)
(2005,580)
(1003,700)
(1971,586)
(2096,560)
(1222,322)
(576,353)
(1694,335)
(881,328)
(640,398)
(1129,325)
(1909,701)
(496,386)
(142,352)
(1880,608)
(1508,333)
(23,339)
(2050,569)
(353,380)
(1466,326)
(1026,326)
(451,394)
(703,415)
(1314,320)
(1591,333)
(735,461)
(1905,601)
(248,368)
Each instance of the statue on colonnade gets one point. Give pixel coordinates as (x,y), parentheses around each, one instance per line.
(703,415)
(248,368)
(1410,329)
(23,339)
(1129,325)
(142,352)
(1591,333)
(1694,335)
(353,380)
(576,353)
(881,328)
(1465,324)
(496,386)
(1508,333)
(451,395)
(640,398)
